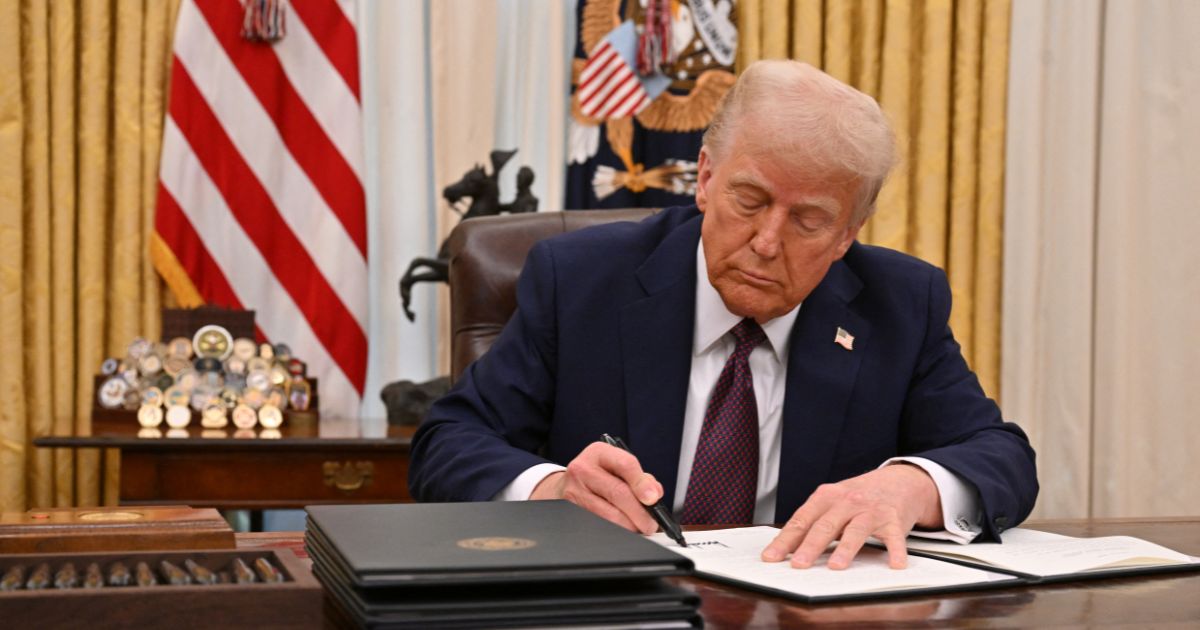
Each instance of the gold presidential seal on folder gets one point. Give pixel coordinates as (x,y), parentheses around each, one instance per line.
(496,543)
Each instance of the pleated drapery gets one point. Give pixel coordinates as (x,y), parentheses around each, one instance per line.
(82,89)
(81,110)
(939,69)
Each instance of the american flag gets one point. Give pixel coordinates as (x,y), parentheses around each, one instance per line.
(260,200)
(608,86)
(844,339)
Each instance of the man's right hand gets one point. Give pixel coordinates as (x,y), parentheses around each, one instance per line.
(608,482)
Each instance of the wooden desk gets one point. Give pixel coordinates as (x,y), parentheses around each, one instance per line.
(1156,601)
(257,470)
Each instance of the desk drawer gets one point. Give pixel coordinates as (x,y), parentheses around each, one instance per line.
(263,480)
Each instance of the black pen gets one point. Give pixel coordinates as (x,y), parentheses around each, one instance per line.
(659,511)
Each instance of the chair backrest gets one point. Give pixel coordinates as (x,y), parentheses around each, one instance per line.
(486,257)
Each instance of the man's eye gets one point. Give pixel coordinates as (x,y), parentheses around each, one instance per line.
(750,202)
(811,221)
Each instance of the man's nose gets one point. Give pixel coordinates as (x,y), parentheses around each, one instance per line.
(768,233)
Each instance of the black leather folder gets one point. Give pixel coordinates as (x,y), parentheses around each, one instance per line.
(480,543)
(609,603)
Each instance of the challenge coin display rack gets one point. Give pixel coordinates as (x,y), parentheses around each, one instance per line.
(211,377)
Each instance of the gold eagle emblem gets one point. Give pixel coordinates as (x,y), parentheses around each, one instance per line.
(496,543)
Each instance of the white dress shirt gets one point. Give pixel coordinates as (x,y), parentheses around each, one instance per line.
(711,346)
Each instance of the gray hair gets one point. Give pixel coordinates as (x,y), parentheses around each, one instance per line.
(814,120)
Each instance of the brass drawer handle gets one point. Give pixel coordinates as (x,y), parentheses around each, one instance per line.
(348,476)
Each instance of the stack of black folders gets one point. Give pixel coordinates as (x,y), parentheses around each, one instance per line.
(526,564)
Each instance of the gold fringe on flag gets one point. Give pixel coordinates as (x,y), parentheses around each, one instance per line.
(173,273)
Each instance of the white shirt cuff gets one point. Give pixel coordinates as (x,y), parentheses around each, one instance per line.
(520,488)
(960,504)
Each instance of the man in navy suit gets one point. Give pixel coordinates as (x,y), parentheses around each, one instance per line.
(761,364)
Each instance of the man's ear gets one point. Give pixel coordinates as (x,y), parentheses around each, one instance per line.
(848,239)
(703,176)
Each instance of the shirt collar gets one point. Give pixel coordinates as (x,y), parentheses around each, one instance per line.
(713,320)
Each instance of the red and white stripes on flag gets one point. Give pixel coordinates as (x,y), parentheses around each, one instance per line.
(260,200)
(608,87)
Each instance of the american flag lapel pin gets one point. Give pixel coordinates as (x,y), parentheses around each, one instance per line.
(844,339)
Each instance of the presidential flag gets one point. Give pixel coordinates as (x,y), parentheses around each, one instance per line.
(648,77)
(260,201)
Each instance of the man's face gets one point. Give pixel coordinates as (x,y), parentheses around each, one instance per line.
(770,230)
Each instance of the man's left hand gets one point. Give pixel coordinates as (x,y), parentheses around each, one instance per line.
(885,503)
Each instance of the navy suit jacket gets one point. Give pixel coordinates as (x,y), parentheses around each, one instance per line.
(601,342)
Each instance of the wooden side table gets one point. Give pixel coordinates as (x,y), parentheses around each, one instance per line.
(258,470)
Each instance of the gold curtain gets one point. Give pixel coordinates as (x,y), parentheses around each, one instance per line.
(939,68)
(82,88)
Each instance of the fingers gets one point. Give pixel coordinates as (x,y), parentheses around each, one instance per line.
(845,513)
(626,466)
(603,480)
(790,537)
(615,491)
(647,489)
(824,531)
(853,537)
(798,527)
(897,550)
(584,498)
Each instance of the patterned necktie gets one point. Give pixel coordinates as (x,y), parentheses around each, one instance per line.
(724,477)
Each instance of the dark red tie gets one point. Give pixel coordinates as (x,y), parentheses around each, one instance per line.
(724,477)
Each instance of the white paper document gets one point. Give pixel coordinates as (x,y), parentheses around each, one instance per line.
(1047,555)
(735,555)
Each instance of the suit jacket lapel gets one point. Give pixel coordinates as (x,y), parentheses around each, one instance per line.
(820,378)
(656,346)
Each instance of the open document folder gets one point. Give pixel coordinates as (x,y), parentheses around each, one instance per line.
(1045,557)
(1026,557)
(735,556)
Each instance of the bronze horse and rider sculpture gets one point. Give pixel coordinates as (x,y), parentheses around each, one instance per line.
(484,192)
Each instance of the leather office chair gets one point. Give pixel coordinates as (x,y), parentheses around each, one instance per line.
(486,256)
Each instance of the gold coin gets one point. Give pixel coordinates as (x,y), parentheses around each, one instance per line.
(270,417)
(180,347)
(279,374)
(178,416)
(213,341)
(150,416)
(152,396)
(175,396)
(244,349)
(213,417)
(175,364)
(229,398)
(187,380)
(244,417)
(234,365)
(254,398)
(150,364)
(138,348)
(112,392)
(258,380)
(257,364)
(277,397)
